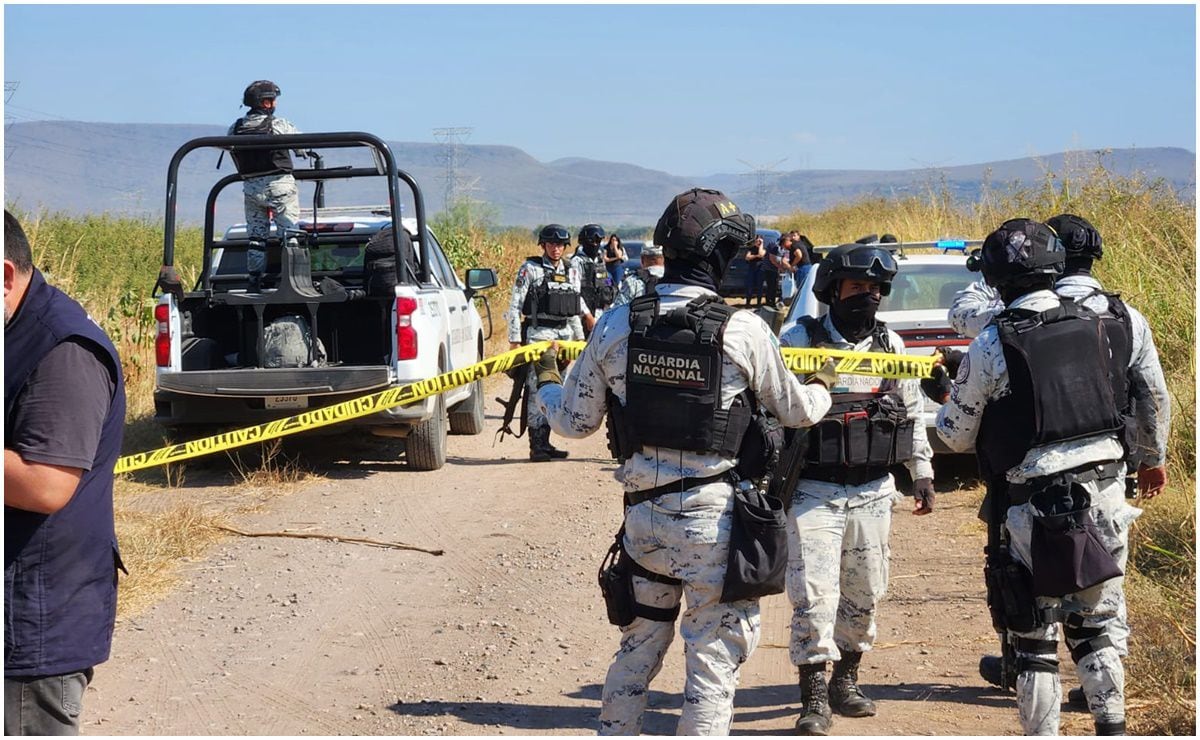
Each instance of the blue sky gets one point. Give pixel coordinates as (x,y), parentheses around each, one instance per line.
(691,90)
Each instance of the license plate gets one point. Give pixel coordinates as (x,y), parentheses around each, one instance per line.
(286,402)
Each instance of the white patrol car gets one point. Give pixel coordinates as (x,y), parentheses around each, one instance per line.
(347,309)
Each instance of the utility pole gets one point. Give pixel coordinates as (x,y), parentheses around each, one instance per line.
(452,139)
(10,88)
(764,185)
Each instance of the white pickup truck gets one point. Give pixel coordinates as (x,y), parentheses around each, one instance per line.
(213,346)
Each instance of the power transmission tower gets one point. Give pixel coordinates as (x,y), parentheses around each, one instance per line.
(452,139)
(10,88)
(764,183)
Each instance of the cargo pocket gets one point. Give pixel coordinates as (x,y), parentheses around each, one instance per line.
(857,439)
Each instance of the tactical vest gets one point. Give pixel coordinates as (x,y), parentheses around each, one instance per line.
(259,162)
(1060,380)
(60,569)
(1119,329)
(547,306)
(860,429)
(649,281)
(598,292)
(673,382)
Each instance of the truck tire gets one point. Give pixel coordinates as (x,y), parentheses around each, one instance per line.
(467,415)
(425,445)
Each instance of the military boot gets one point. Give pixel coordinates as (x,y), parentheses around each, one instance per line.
(815,715)
(1077,699)
(844,694)
(1110,728)
(990,668)
(540,449)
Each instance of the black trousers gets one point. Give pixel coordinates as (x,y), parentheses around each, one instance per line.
(772,280)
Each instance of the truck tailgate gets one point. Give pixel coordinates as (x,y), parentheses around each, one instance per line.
(311,381)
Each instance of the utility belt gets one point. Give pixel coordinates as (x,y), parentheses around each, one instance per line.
(547,322)
(633,498)
(844,476)
(1020,493)
(870,430)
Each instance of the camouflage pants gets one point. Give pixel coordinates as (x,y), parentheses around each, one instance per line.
(262,196)
(684,536)
(837,566)
(533,417)
(1101,674)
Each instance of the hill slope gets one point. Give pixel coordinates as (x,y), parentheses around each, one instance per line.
(80,167)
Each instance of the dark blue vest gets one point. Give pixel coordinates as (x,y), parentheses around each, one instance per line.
(60,570)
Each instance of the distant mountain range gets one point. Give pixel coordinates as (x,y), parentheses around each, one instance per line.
(88,168)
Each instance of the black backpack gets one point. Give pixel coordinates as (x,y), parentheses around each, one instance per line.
(379,262)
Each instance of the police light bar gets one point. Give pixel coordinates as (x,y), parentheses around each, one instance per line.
(958,245)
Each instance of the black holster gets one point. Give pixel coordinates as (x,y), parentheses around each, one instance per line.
(616,586)
(1067,553)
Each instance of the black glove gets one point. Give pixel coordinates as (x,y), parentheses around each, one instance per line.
(937,388)
(952,358)
(827,376)
(546,368)
(922,491)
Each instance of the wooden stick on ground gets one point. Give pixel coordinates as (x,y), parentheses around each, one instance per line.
(332,537)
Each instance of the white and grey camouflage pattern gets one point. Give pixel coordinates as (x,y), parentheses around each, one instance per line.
(973,308)
(683,535)
(688,539)
(838,535)
(262,195)
(582,263)
(982,378)
(837,566)
(632,286)
(530,274)
(1100,674)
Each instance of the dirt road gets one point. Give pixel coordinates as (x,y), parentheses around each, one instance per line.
(505,633)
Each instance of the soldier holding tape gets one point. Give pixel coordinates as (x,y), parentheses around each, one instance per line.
(1037,395)
(545,305)
(841,510)
(680,374)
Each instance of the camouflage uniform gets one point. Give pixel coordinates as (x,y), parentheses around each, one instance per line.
(975,306)
(632,286)
(277,193)
(682,535)
(838,534)
(983,377)
(583,264)
(534,272)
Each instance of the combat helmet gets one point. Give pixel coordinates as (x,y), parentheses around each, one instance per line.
(854,262)
(1018,249)
(1079,237)
(258,91)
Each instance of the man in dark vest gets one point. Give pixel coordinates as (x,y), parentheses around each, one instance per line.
(1035,394)
(64,415)
(673,371)
(268,184)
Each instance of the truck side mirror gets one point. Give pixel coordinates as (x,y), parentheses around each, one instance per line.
(480,278)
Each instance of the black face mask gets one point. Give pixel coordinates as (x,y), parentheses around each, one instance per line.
(854,317)
(591,250)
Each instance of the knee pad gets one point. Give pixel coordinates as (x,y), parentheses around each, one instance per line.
(1037,656)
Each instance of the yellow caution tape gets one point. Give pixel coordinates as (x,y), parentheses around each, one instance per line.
(798,361)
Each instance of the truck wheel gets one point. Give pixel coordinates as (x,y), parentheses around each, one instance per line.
(425,446)
(467,415)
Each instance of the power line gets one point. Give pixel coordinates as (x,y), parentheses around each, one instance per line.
(10,89)
(764,183)
(452,139)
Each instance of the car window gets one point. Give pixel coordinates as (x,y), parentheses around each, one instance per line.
(918,287)
(441,265)
(633,250)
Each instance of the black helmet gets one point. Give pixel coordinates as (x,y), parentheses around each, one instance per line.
(697,221)
(554,233)
(1019,248)
(258,91)
(854,262)
(591,234)
(1078,236)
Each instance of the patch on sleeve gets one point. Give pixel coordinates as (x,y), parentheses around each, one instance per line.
(964,369)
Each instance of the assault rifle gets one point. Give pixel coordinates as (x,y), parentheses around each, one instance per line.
(518,396)
(1010,596)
